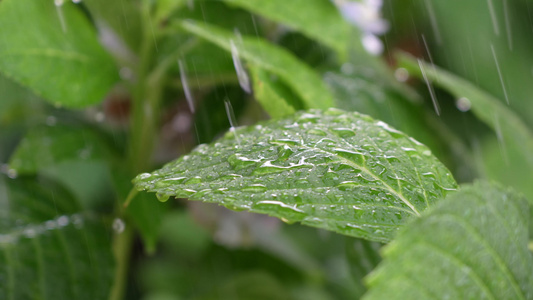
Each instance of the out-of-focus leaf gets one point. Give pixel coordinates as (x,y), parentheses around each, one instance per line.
(472,245)
(275,99)
(318,19)
(509,128)
(330,169)
(50,248)
(298,76)
(56,53)
(363,256)
(47,146)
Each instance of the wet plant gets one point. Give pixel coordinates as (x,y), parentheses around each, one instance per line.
(251,149)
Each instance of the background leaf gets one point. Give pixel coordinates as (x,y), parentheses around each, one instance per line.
(301,78)
(341,171)
(318,19)
(56,53)
(274,97)
(50,248)
(473,245)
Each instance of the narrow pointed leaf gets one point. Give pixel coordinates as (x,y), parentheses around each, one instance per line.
(49,248)
(298,76)
(275,99)
(318,19)
(54,51)
(472,245)
(345,172)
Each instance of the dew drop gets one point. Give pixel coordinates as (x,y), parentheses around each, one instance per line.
(348,185)
(238,162)
(317,132)
(118,225)
(463,104)
(255,188)
(162,197)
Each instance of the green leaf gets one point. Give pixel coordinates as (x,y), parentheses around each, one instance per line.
(514,137)
(49,248)
(298,76)
(318,19)
(472,245)
(275,99)
(66,67)
(46,146)
(340,171)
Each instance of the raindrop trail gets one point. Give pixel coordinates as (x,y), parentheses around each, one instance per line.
(59,10)
(493,17)
(430,57)
(430,88)
(185,84)
(499,74)
(433,20)
(231,118)
(244,81)
(507,24)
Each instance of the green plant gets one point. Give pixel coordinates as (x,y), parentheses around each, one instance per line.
(336,139)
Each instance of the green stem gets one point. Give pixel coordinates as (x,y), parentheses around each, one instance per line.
(144,121)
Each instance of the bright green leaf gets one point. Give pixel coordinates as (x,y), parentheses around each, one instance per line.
(273,96)
(56,53)
(472,245)
(298,76)
(318,19)
(341,171)
(49,248)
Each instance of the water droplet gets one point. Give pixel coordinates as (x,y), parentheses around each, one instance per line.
(393,132)
(194,180)
(238,162)
(62,221)
(286,142)
(118,225)
(344,132)
(317,132)
(285,152)
(255,188)
(333,112)
(162,197)
(348,185)
(144,176)
(12,173)
(463,104)
(401,74)
(353,156)
(308,118)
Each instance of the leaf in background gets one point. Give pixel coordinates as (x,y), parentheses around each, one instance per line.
(472,245)
(50,249)
(45,146)
(363,257)
(340,171)
(511,132)
(78,157)
(318,19)
(66,67)
(275,98)
(298,76)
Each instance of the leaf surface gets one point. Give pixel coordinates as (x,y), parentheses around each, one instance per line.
(55,53)
(318,19)
(49,248)
(472,245)
(274,98)
(297,75)
(340,171)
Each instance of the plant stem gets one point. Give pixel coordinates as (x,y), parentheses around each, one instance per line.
(143,128)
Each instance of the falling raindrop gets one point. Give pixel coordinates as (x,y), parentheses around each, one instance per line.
(495,24)
(231,118)
(185,84)
(430,88)
(401,74)
(244,81)
(463,104)
(59,4)
(118,225)
(499,74)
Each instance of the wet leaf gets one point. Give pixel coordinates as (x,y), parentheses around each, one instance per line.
(345,172)
(318,19)
(56,53)
(301,78)
(472,245)
(49,248)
